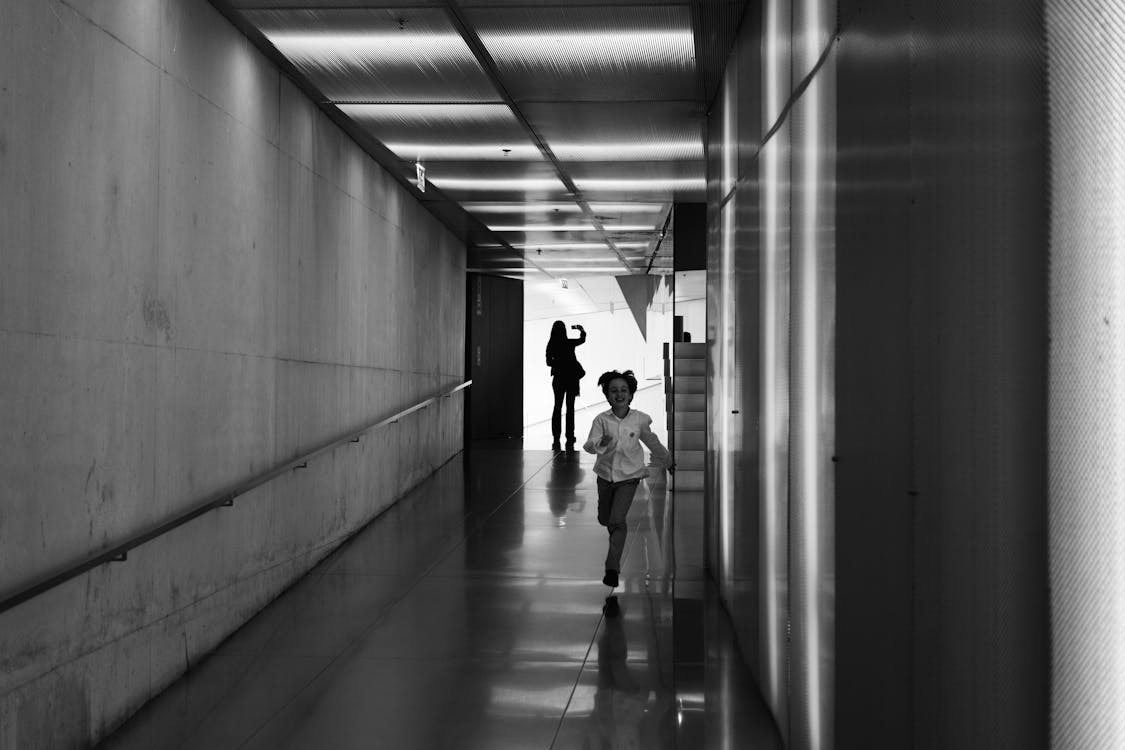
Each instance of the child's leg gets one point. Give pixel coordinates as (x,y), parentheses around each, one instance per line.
(623,493)
(605,501)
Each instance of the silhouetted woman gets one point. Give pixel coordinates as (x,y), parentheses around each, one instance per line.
(566,373)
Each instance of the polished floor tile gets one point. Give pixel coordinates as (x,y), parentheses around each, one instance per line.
(471,614)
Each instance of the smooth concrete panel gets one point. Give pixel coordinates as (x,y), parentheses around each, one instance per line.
(135,25)
(213,423)
(204,53)
(218,208)
(78,232)
(79,455)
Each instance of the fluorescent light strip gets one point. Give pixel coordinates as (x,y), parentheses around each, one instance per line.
(627,208)
(406,48)
(566,152)
(628,151)
(678,183)
(577,260)
(580,246)
(616,50)
(484,151)
(532,208)
(584,269)
(423,113)
(545,269)
(498,183)
(520,208)
(572,228)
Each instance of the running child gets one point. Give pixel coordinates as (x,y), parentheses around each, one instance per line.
(616,437)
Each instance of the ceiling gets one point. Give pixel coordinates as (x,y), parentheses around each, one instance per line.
(554,136)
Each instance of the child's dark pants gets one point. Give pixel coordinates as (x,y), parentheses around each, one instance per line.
(614,499)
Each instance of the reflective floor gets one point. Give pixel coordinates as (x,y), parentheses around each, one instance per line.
(472,615)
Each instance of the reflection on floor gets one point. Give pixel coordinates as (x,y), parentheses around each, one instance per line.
(472,615)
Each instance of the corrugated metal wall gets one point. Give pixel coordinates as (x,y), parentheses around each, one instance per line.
(1086,43)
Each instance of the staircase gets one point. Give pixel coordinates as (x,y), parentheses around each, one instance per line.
(685,388)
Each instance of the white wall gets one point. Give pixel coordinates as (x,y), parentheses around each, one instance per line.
(200,277)
(613,342)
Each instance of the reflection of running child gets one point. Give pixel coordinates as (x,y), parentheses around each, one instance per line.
(616,438)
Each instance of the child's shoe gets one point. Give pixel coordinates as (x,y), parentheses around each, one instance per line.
(610,579)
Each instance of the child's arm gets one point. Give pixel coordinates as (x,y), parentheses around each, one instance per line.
(599,440)
(660,455)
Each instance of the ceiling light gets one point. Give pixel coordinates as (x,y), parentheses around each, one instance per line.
(402,48)
(573,228)
(627,208)
(654,184)
(519,208)
(663,151)
(615,50)
(579,246)
(615,268)
(415,113)
(464,152)
(535,208)
(498,183)
(579,260)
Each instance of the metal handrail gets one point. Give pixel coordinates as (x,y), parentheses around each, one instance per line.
(222,499)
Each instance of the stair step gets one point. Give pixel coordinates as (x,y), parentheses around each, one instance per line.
(690,440)
(691,350)
(688,480)
(689,460)
(697,367)
(689,420)
(688,384)
(690,402)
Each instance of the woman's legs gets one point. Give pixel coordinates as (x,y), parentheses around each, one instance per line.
(570,394)
(556,414)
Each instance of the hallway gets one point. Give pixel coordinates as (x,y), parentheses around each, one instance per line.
(471,615)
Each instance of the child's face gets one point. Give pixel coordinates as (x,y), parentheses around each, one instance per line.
(617,393)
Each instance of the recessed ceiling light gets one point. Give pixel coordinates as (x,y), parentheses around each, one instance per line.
(498,183)
(612,50)
(572,228)
(644,184)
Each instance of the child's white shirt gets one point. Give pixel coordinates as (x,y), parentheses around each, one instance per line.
(623,458)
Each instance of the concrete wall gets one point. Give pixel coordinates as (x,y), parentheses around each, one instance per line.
(200,276)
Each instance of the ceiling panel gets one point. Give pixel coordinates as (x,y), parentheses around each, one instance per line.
(377,55)
(446,132)
(496,181)
(569,3)
(611,214)
(333,4)
(603,53)
(619,131)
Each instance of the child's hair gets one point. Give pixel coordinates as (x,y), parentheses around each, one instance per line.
(628,376)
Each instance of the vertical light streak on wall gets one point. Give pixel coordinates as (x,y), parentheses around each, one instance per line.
(730,124)
(813,311)
(1086,396)
(726,482)
(727,451)
(807,453)
(773,531)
